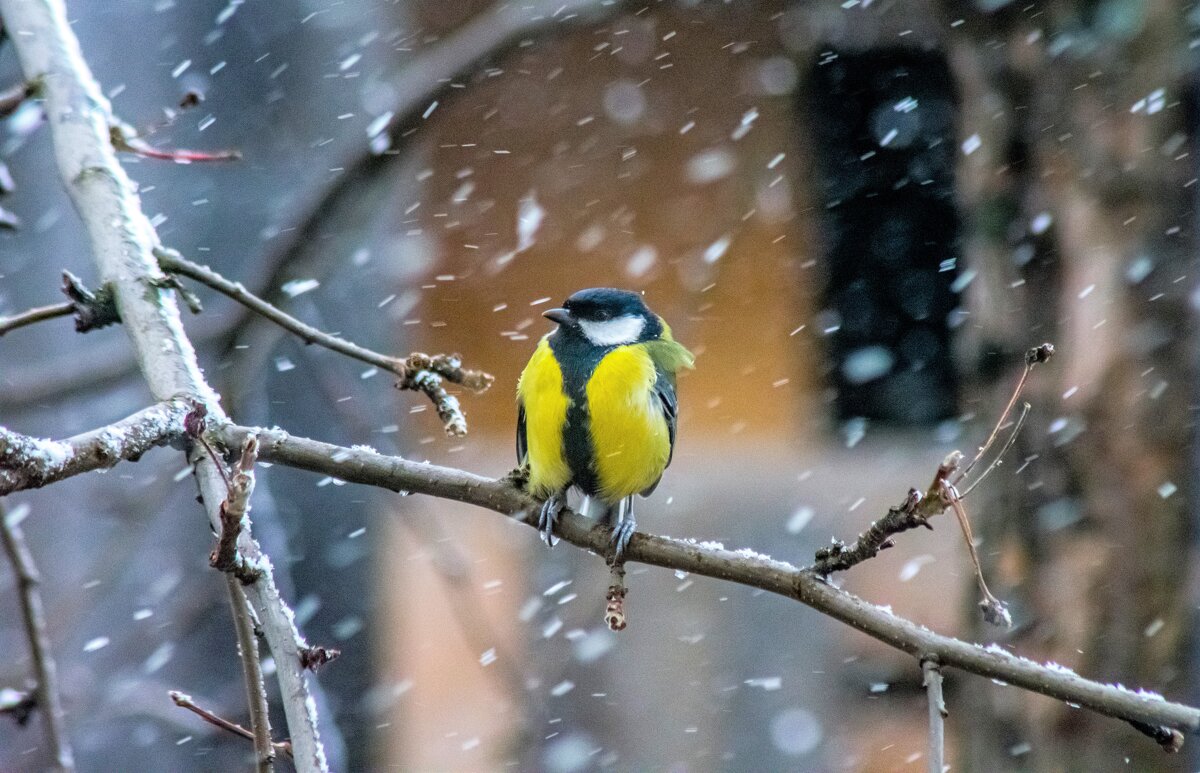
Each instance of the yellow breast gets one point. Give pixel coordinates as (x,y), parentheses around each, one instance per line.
(540,391)
(629,432)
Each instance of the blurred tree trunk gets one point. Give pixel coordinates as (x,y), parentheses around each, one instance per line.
(1083,231)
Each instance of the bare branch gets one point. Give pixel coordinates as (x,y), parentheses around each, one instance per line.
(614,598)
(1034,356)
(916,510)
(994,610)
(33,316)
(125,139)
(45,695)
(184,701)
(27,462)
(256,691)
(123,242)
(937,715)
(419,372)
(1170,739)
(1000,456)
(227,557)
(359,465)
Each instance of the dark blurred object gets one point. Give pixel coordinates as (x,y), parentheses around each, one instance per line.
(884,126)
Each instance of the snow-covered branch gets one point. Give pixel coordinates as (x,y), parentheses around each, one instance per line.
(745,567)
(28,462)
(123,243)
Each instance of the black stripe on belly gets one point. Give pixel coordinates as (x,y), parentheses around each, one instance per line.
(577,359)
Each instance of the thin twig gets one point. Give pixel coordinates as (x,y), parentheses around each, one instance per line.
(418,371)
(917,508)
(184,701)
(256,691)
(994,610)
(33,316)
(932,674)
(1000,456)
(359,465)
(45,672)
(126,140)
(1034,356)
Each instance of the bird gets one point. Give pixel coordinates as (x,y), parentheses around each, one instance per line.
(597,408)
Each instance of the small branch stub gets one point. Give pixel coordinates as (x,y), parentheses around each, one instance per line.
(315,656)
(18,704)
(92,310)
(1170,739)
(226,556)
(614,611)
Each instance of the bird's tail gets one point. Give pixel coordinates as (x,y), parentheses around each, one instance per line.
(609,515)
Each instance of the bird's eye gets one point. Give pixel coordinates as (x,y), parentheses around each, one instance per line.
(603,315)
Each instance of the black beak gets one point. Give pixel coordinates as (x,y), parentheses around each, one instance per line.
(561,316)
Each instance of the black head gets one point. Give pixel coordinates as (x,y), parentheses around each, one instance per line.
(605,316)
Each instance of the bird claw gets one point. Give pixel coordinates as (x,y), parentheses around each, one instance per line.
(620,539)
(548,517)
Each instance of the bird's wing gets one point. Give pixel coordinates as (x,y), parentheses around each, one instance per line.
(669,356)
(664,390)
(522,443)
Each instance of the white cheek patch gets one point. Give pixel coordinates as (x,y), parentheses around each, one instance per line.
(613,332)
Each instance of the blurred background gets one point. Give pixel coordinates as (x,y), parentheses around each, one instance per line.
(858,214)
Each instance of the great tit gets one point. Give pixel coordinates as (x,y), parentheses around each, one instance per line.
(597,407)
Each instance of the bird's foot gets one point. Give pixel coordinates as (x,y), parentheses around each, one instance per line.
(548,516)
(621,535)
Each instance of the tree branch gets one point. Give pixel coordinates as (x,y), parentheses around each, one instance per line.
(123,242)
(46,695)
(359,465)
(418,372)
(283,748)
(932,674)
(256,692)
(33,316)
(228,558)
(27,462)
